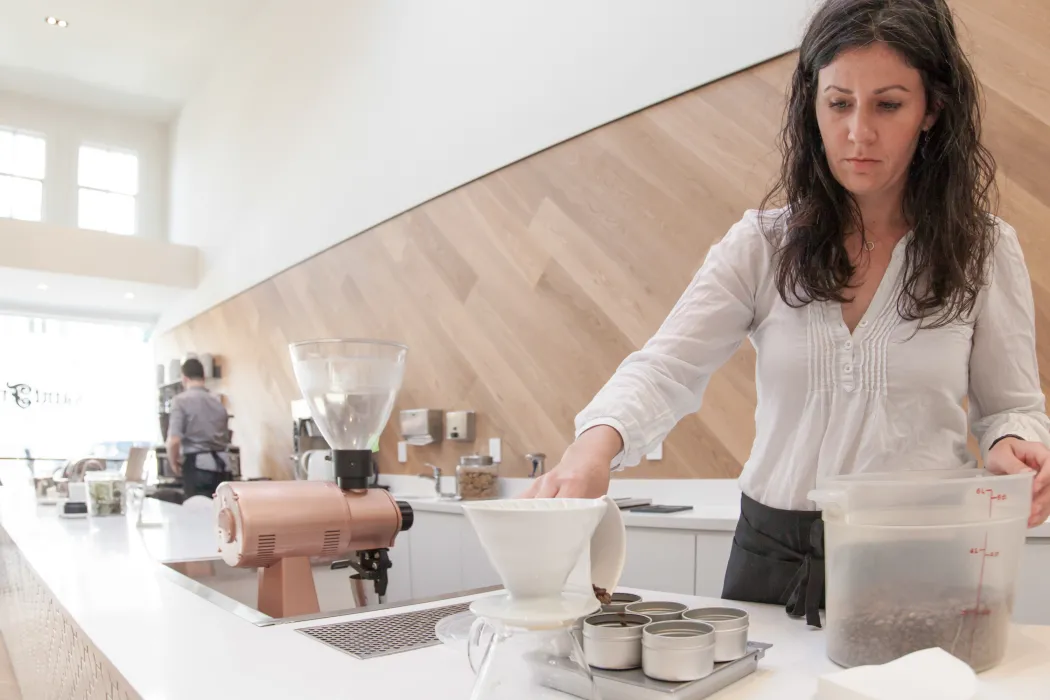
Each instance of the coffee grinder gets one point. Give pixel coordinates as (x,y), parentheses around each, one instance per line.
(276,526)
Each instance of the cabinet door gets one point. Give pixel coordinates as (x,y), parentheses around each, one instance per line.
(477,571)
(436,555)
(1032,607)
(660,560)
(400,574)
(712,556)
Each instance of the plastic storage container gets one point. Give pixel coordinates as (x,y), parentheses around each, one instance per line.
(922,559)
(106,493)
(477,478)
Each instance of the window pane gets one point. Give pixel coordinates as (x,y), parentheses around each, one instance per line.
(29,156)
(6,195)
(7,152)
(106,211)
(92,210)
(121,214)
(27,197)
(91,169)
(113,171)
(124,170)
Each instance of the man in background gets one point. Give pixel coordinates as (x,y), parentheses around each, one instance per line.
(198,434)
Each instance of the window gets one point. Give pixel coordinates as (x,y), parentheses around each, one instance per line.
(86,381)
(109,183)
(22,162)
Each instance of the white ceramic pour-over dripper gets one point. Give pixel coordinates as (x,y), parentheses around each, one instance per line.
(548,553)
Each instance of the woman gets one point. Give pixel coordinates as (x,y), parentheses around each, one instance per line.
(878,298)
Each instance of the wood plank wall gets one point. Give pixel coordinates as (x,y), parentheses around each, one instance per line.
(519,293)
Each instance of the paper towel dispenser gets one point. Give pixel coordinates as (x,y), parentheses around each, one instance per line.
(421,426)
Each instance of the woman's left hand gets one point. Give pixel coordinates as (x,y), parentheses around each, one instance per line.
(1013,456)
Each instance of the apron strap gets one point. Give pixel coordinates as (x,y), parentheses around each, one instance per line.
(807,586)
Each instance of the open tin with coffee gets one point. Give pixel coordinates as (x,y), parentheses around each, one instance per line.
(614,640)
(619,601)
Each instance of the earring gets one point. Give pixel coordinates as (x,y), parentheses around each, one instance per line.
(925,143)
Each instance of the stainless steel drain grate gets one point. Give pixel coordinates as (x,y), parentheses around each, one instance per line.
(385,635)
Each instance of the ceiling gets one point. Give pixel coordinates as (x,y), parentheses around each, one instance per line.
(139,56)
(50,293)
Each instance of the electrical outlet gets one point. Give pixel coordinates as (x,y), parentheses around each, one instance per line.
(402,452)
(496,450)
(656,453)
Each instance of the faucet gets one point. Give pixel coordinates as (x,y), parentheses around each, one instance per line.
(436,476)
(536,459)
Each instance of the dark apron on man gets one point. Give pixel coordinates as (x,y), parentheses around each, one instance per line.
(778,557)
(202,482)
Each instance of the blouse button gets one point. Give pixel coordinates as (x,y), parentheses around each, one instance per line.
(848,387)
(848,369)
(863,324)
(849,344)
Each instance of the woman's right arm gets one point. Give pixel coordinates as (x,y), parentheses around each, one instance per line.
(657,386)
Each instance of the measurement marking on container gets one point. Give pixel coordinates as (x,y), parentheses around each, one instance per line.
(982,550)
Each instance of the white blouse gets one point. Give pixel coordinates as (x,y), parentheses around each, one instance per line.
(829,402)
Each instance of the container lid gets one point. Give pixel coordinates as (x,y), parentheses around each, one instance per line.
(923,497)
(475,461)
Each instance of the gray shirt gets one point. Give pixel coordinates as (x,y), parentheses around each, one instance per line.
(200,421)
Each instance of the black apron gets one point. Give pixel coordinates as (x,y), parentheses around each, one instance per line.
(202,482)
(778,557)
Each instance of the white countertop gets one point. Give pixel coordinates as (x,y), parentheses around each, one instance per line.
(170,644)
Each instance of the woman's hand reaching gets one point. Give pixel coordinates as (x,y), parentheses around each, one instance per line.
(584,468)
(1013,456)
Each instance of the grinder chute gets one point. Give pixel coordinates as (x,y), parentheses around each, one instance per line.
(350,387)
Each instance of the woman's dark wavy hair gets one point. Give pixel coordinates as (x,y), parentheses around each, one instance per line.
(950,193)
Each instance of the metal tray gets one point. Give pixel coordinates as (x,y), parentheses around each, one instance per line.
(635,685)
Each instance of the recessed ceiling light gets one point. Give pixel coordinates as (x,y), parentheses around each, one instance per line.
(42,287)
(129,295)
(56,22)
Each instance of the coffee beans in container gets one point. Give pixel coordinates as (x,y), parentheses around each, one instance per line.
(881,627)
(477,478)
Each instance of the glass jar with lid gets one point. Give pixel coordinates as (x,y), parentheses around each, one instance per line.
(106,493)
(477,478)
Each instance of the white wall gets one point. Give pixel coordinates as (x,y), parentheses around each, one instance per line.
(66,127)
(46,247)
(334,116)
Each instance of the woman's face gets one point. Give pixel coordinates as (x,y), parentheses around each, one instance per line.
(871,109)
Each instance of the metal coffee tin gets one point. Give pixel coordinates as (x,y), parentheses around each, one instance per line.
(659,611)
(613,640)
(731,630)
(620,601)
(678,650)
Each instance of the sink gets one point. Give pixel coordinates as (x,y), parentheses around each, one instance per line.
(428,497)
(236,590)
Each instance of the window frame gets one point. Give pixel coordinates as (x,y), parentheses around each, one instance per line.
(110,148)
(15,131)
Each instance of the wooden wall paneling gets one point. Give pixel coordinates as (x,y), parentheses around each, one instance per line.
(520,293)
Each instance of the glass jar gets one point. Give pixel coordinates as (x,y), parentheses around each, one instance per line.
(106,493)
(477,478)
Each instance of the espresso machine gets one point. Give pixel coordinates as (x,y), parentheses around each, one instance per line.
(277,526)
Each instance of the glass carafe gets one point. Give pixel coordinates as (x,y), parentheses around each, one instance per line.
(513,663)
